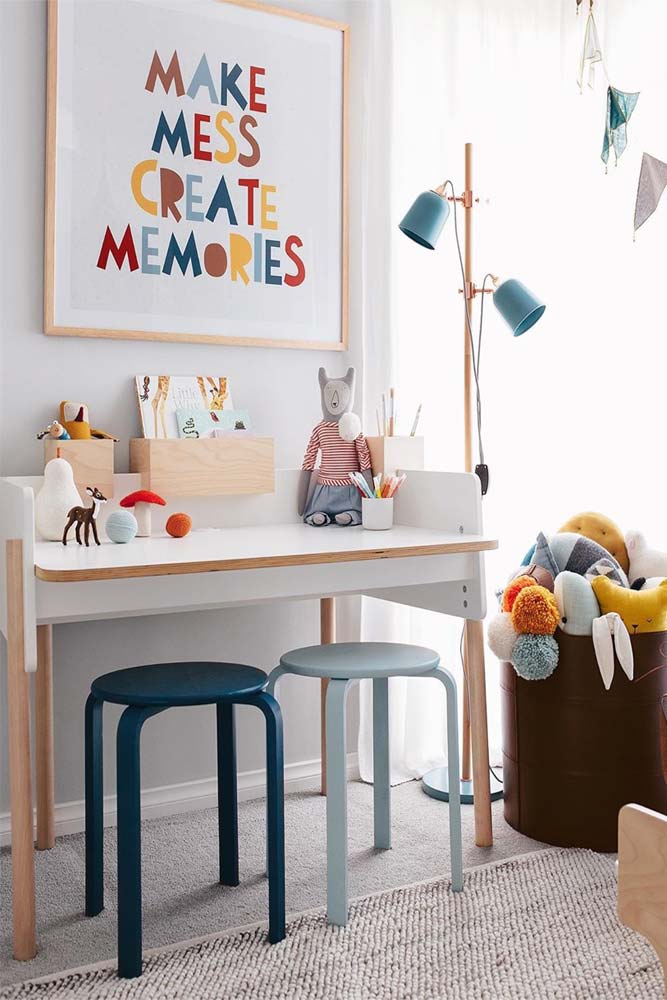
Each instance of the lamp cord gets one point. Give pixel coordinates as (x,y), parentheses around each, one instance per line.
(475,353)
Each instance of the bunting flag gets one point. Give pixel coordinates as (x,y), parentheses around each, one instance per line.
(620,106)
(590,54)
(652,183)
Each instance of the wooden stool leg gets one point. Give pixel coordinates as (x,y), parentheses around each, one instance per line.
(94,808)
(381,769)
(18,698)
(327,635)
(480,735)
(128,787)
(228,820)
(275,790)
(46,829)
(337,895)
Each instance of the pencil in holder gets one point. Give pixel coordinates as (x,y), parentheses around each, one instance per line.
(377,513)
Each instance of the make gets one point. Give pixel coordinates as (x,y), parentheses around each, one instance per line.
(202,78)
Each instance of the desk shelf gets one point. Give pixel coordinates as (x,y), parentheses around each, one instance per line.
(206,467)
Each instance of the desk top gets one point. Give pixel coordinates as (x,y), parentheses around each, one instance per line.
(258,547)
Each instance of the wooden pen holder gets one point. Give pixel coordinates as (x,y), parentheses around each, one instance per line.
(92,461)
(398,452)
(206,467)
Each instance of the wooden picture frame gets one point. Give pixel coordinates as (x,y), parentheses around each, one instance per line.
(320,319)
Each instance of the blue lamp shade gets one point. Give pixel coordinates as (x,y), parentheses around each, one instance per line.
(424,220)
(517,305)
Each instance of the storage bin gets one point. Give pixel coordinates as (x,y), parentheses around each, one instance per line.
(92,462)
(573,753)
(207,467)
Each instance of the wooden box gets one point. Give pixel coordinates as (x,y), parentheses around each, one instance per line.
(208,467)
(399,452)
(92,462)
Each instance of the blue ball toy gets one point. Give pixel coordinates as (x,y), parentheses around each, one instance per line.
(535,657)
(121,526)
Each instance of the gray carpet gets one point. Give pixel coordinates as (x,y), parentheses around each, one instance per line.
(182,898)
(539,927)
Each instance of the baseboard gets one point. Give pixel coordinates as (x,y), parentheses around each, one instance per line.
(188,796)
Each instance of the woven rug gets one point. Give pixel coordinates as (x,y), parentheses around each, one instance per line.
(540,927)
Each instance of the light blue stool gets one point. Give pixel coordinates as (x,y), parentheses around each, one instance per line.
(343,663)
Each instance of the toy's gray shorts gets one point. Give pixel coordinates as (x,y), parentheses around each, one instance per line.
(333,500)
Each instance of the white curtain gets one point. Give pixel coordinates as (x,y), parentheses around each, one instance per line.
(573,411)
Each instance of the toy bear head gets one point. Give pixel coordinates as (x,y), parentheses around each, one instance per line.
(337,394)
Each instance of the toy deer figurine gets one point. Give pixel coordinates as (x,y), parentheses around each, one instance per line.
(85,517)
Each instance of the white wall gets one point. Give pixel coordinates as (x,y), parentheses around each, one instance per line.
(278,387)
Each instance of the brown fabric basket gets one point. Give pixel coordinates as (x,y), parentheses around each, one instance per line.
(573,753)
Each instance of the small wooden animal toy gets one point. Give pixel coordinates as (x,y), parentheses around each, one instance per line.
(54,430)
(85,517)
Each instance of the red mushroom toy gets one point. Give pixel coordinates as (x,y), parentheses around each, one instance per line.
(142,500)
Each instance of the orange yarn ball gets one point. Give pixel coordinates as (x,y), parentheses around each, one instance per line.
(514,588)
(178,525)
(535,611)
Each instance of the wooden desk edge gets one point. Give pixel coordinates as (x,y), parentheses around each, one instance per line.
(258,562)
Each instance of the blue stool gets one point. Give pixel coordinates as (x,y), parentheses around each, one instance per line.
(147,691)
(343,663)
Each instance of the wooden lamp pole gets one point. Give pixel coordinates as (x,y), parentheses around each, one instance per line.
(474,697)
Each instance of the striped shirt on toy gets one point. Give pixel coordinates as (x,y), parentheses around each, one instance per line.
(338,457)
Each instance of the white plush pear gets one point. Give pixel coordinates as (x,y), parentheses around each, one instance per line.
(55,499)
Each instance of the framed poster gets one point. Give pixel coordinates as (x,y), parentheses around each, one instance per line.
(196,181)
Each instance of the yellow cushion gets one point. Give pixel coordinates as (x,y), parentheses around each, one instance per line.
(602,530)
(641,610)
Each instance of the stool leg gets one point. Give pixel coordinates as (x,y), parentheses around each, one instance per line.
(228,819)
(455,845)
(336,803)
(381,778)
(128,779)
(94,808)
(275,793)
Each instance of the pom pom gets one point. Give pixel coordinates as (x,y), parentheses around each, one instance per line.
(501,635)
(514,588)
(535,657)
(535,610)
(121,526)
(349,427)
(178,525)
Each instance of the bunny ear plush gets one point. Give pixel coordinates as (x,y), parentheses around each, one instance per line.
(604,649)
(623,645)
(608,631)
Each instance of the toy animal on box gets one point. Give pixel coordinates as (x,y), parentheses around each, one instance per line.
(74,418)
(326,495)
(644,561)
(85,517)
(54,430)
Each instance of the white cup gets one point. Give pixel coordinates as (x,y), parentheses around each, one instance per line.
(377,514)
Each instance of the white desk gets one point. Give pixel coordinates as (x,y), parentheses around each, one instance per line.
(252,550)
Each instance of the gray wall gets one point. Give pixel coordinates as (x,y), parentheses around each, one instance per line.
(279,387)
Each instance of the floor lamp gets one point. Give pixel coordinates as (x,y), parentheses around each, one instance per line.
(423,223)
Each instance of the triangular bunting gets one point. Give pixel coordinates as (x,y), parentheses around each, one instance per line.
(620,106)
(652,183)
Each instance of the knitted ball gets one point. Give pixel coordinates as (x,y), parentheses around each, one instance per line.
(535,610)
(178,525)
(513,589)
(501,635)
(121,526)
(535,657)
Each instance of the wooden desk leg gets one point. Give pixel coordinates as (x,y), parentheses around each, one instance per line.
(466,773)
(46,835)
(327,635)
(479,733)
(18,698)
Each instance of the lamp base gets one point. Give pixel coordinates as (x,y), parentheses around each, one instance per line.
(436,784)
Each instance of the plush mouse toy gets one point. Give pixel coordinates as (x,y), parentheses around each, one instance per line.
(326,494)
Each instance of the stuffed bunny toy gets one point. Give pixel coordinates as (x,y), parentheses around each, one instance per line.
(327,495)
